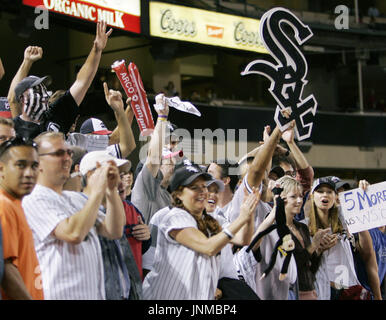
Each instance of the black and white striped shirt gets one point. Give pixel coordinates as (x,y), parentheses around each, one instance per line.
(69,272)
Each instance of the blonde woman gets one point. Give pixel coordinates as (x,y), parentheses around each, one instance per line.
(304,250)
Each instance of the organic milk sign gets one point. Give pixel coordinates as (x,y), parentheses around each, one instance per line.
(364,210)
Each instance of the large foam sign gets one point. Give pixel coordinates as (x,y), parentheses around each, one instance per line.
(288,75)
(131,82)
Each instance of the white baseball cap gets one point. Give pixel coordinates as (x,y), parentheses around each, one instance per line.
(90,159)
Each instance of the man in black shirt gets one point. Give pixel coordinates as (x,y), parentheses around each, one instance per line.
(36,115)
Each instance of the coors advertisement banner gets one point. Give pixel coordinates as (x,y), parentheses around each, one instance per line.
(120,14)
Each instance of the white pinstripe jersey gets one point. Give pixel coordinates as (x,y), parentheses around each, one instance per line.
(69,272)
(269,288)
(180,273)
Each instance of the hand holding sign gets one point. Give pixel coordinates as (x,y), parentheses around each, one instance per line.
(364,209)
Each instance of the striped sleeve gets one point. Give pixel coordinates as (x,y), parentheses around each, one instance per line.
(248,187)
(43,215)
(114,150)
(176,219)
(245,264)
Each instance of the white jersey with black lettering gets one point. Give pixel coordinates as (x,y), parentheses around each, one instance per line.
(180,273)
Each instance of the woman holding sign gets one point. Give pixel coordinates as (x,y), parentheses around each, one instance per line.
(336,277)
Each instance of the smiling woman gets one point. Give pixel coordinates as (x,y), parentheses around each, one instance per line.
(189,241)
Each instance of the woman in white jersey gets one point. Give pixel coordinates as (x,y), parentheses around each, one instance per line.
(336,272)
(229,286)
(186,263)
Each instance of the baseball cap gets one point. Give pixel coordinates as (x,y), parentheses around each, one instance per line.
(279,171)
(343,184)
(90,159)
(219,183)
(339,183)
(324,180)
(30,82)
(94,126)
(185,175)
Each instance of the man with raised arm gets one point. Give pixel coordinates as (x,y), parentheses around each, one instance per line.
(37,115)
(94,135)
(150,188)
(268,288)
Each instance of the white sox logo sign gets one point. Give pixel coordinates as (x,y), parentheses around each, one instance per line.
(288,75)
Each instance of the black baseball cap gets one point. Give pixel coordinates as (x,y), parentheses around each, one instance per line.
(323,181)
(185,175)
(343,184)
(279,171)
(30,82)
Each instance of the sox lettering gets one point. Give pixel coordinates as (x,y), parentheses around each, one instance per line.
(288,75)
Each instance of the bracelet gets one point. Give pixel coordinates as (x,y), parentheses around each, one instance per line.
(163,117)
(229,234)
(287,153)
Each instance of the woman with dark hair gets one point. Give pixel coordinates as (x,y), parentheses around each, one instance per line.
(186,263)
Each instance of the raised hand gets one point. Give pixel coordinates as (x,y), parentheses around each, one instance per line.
(161,107)
(113,98)
(289,134)
(113,177)
(101,35)
(2,71)
(33,53)
(363,184)
(98,179)
(266,133)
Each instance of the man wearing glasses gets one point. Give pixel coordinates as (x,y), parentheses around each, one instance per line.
(66,229)
(19,166)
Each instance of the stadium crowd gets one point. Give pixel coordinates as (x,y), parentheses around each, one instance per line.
(78,223)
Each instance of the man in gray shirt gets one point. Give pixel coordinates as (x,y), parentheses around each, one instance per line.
(150,188)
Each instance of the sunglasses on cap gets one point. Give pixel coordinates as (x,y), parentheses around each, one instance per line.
(16,142)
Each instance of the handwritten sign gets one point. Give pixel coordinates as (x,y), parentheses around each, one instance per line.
(364,210)
(288,74)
